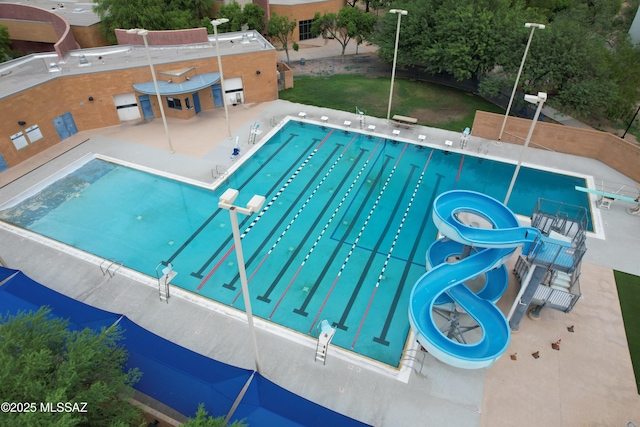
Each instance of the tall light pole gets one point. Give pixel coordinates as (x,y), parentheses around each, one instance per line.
(215,24)
(400,12)
(515,86)
(539,99)
(144,33)
(254,205)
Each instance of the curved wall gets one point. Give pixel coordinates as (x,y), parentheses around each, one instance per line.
(18,12)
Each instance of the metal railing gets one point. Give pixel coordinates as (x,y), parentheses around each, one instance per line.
(107,264)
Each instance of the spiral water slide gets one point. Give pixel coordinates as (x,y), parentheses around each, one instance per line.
(444,281)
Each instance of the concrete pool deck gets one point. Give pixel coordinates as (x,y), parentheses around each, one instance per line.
(589,381)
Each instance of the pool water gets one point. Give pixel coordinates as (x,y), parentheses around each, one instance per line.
(342,236)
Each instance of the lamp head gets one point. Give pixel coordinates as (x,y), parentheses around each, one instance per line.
(535,99)
(228,196)
(255,204)
(534,25)
(400,11)
(219,21)
(138,31)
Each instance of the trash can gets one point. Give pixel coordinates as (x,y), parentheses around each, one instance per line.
(302,61)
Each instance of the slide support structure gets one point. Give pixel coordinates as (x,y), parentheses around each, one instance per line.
(529,289)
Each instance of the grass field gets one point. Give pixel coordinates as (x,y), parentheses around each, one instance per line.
(433,105)
(629,294)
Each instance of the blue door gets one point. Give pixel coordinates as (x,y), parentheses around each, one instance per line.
(196,102)
(3,164)
(217,95)
(65,126)
(145,104)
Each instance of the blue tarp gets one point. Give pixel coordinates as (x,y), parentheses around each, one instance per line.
(174,375)
(179,377)
(21,293)
(6,272)
(267,404)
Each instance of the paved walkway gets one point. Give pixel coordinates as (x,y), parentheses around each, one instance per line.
(588,382)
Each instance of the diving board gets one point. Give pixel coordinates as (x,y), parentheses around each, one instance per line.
(606,198)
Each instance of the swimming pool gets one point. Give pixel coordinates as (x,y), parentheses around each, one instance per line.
(342,236)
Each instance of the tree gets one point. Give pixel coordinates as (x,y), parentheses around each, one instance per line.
(232,12)
(5,44)
(150,14)
(281,28)
(253,17)
(376,5)
(365,26)
(624,63)
(198,8)
(468,38)
(347,24)
(202,419)
(43,361)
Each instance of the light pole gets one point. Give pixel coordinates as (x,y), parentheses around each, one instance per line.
(215,23)
(539,99)
(515,86)
(144,33)
(254,205)
(400,12)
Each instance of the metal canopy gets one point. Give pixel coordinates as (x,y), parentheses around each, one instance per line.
(194,84)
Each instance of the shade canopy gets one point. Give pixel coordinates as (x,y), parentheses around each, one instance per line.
(194,84)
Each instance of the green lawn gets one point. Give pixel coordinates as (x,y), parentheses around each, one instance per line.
(433,105)
(629,294)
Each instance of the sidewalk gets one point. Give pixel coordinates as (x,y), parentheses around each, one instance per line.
(324,48)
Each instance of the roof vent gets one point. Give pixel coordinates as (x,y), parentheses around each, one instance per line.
(83,61)
(78,10)
(53,67)
(245,39)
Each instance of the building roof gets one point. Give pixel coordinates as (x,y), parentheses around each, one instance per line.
(77,13)
(32,70)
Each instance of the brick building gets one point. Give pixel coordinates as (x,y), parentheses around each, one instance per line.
(45,98)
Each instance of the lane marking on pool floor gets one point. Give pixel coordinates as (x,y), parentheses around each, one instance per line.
(357,239)
(217,211)
(459,172)
(316,222)
(391,249)
(356,291)
(271,201)
(335,252)
(403,279)
(231,285)
(198,274)
(304,205)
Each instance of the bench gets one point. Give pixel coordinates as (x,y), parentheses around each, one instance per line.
(404,121)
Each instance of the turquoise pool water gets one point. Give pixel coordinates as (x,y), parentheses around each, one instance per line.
(342,236)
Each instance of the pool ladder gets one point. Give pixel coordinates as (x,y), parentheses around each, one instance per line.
(324,339)
(107,264)
(163,281)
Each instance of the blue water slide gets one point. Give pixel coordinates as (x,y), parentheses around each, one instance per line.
(493,242)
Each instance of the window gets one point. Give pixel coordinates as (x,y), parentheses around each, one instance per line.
(174,103)
(187,103)
(305,29)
